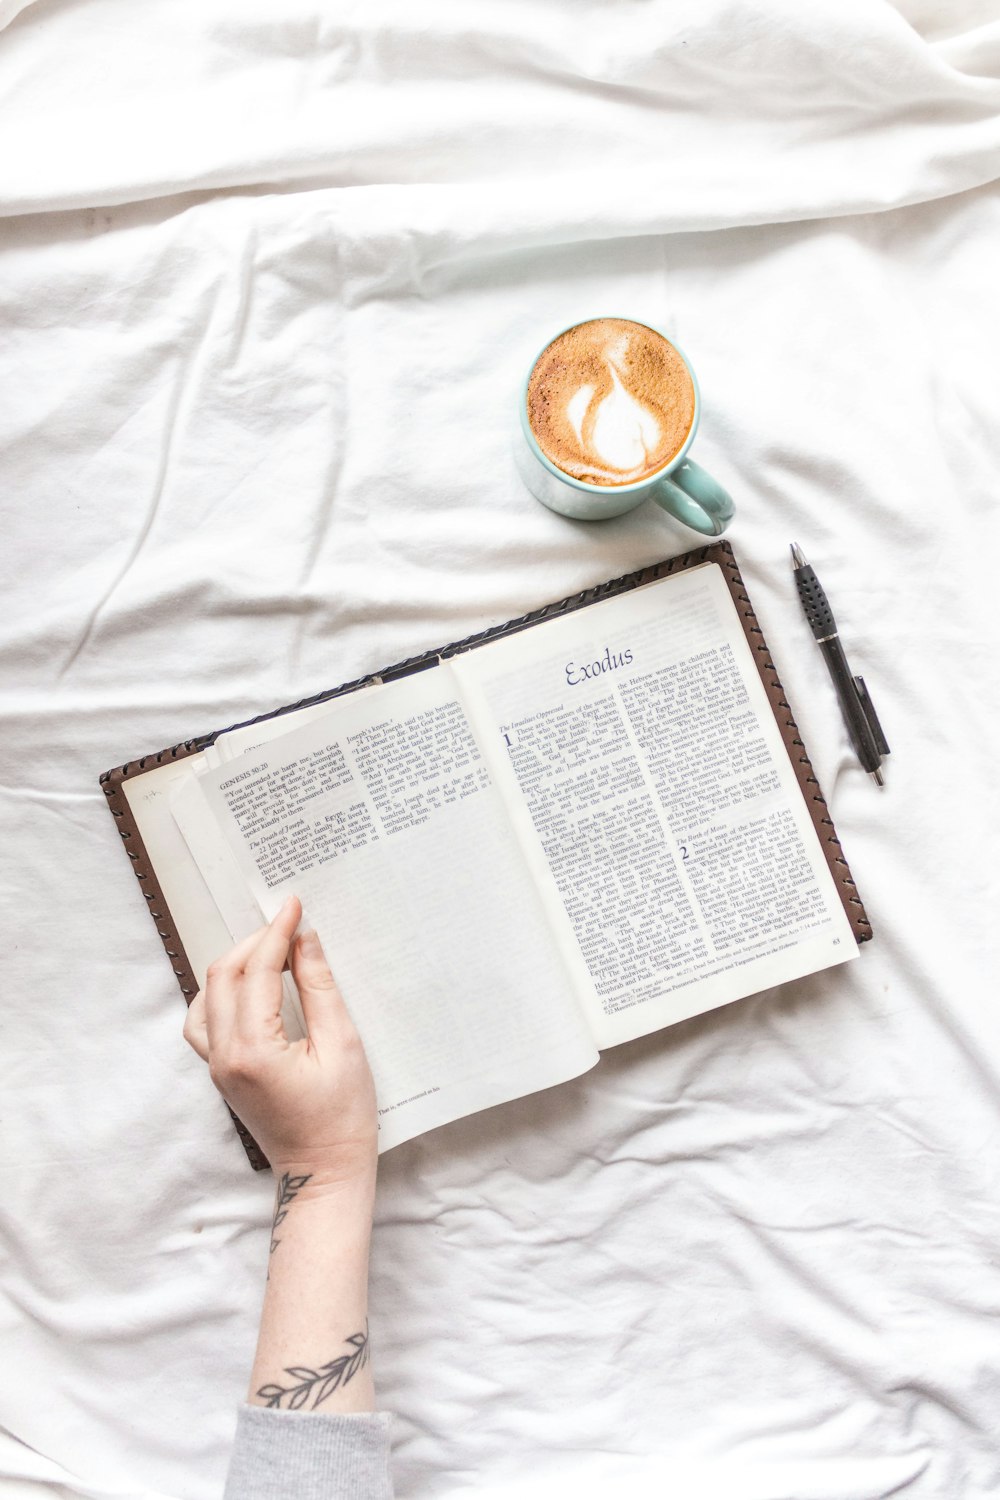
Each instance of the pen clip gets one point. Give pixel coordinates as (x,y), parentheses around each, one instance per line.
(868,709)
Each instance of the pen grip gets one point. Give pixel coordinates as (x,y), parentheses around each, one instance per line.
(851,706)
(815,604)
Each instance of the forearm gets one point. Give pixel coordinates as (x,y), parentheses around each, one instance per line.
(313,1352)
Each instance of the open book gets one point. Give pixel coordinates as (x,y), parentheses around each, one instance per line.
(536,847)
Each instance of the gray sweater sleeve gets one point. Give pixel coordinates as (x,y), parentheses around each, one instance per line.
(278,1455)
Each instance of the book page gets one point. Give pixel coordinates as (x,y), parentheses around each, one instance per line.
(229,891)
(233,742)
(667,821)
(201,927)
(382,816)
(205,930)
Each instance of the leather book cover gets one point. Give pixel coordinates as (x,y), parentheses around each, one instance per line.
(717,552)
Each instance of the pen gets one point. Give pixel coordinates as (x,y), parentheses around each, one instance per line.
(859,714)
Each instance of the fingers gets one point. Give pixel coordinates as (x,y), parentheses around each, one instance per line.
(235,960)
(270,953)
(195,1027)
(326,1015)
(243,989)
(258,1012)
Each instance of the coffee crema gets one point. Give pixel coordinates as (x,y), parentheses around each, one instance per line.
(610,401)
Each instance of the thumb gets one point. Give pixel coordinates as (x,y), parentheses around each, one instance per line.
(323,1005)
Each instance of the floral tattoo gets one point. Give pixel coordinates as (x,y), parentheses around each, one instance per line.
(318,1384)
(287,1189)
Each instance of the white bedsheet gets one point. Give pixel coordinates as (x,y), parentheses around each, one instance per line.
(269,277)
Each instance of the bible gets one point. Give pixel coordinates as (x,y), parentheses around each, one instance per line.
(570,831)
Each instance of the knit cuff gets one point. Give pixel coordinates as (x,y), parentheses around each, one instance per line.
(311,1455)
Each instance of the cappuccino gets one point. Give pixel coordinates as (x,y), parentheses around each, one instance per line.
(610,402)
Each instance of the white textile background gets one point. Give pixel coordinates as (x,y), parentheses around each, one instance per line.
(269,275)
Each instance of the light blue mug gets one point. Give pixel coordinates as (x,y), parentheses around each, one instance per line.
(682,487)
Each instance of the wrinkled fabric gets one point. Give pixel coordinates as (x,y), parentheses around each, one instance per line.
(269,278)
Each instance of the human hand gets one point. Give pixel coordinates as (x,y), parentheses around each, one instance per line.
(311,1103)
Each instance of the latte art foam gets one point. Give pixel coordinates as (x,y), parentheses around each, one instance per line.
(610,401)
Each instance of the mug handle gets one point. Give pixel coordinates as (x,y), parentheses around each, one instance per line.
(692,496)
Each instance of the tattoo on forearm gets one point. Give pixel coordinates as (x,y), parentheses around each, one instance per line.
(287,1188)
(320,1383)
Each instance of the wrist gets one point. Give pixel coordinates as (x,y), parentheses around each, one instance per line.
(310,1175)
(322,1231)
(305,1192)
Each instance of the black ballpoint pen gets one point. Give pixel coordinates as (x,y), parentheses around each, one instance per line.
(859,715)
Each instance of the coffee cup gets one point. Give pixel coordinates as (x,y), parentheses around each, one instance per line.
(607,416)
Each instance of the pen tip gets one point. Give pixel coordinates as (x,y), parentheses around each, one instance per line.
(878,778)
(798,556)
